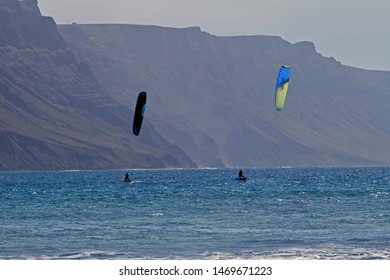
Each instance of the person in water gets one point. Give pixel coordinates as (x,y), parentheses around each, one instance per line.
(241,174)
(127,179)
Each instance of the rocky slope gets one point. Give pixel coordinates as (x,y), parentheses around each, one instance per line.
(214,96)
(54,114)
(67,97)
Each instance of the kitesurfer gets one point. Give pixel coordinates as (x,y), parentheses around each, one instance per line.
(127,179)
(241,174)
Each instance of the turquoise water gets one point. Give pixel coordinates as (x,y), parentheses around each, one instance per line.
(309,213)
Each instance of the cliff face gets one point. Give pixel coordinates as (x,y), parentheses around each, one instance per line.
(67,97)
(54,114)
(23,26)
(214,96)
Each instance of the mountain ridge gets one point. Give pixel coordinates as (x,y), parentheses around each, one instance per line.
(67,98)
(213,73)
(55,115)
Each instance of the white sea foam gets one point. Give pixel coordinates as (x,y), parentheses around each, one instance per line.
(330,253)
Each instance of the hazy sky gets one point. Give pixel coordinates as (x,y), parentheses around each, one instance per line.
(355,32)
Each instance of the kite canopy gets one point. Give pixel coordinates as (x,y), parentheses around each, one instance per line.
(139,112)
(282,87)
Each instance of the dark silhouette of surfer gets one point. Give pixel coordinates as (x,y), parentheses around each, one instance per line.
(127,179)
(241,175)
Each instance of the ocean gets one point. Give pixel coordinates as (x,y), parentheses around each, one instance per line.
(281,213)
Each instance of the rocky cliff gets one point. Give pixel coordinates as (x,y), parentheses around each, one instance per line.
(214,96)
(23,26)
(54,114)
(67,97)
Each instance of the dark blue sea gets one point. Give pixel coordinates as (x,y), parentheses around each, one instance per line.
(283,213)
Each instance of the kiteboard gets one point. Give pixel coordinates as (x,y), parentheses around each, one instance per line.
(126,181)
(241,178)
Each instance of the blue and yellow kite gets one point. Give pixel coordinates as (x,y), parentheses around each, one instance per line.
(282,87)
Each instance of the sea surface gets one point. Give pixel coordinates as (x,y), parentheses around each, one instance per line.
(283,213)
